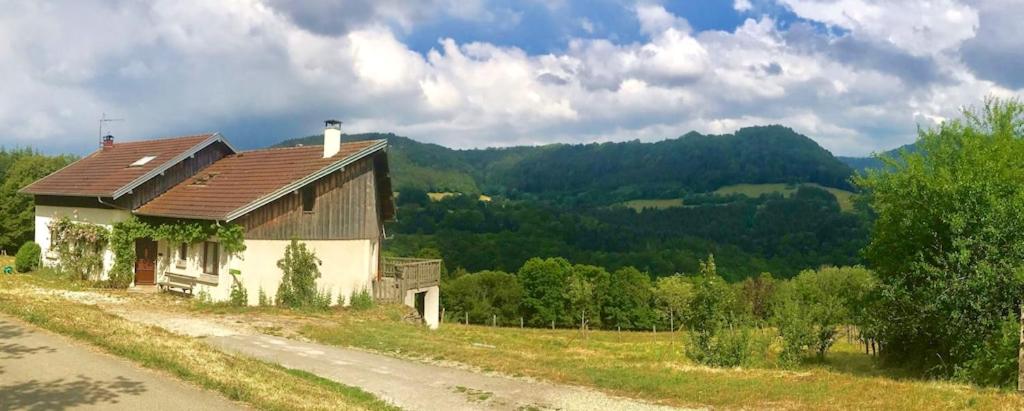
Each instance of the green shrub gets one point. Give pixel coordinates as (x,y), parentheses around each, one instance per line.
(361,300)
(27,258)
(239,296)
(298,284)
(264,299)
(809,308)
(995,362)
(322,300)
(719,335)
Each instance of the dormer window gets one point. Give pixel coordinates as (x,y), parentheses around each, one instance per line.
(142,161)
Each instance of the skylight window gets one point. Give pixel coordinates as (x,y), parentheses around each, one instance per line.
(142,161)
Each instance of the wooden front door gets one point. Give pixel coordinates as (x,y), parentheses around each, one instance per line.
(145,261)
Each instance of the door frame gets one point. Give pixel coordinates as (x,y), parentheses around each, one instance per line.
(141,242)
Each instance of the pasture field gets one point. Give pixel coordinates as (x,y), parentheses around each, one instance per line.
(843,197)
(640,205)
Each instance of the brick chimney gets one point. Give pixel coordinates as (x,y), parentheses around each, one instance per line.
(332,138)
(108,142)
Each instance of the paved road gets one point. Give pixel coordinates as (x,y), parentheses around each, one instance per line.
(43,371)
(418,386)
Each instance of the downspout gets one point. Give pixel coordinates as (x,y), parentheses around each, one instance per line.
(100,200)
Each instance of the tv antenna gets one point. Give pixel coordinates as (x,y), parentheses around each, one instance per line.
(104,119)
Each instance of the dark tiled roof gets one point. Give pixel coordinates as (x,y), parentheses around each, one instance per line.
(239,180)
(104,172)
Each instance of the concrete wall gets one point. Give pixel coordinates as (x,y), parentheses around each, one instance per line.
(98,216)
(431,304)
(348,266)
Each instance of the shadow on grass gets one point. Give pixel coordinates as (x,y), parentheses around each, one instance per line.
(861,365)
(66,393)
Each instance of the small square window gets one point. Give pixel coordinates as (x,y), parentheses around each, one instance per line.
(211,258)
(308,199)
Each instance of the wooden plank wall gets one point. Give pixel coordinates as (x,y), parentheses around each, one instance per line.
(174,175)
(346,209)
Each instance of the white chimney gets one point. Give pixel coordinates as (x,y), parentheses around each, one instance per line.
(332,138)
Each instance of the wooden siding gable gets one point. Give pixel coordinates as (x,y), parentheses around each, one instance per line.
(346,208)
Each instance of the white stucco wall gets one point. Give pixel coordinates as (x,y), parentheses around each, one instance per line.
(98,216)
(348,266)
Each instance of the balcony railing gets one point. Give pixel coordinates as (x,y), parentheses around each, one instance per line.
(403,274)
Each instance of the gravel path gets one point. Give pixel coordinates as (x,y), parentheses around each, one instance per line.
(409,384)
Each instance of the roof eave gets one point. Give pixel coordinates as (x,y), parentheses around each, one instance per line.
(281,192)
(215,137)
(181,216)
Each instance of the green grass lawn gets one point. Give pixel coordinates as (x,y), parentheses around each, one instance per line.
(843,197)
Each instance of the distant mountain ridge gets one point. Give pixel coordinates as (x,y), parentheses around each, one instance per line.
(864,163)
(691,163)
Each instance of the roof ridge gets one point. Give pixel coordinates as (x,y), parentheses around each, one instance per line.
(306,146)
(166,138)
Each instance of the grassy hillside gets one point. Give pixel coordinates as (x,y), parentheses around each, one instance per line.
(843,197)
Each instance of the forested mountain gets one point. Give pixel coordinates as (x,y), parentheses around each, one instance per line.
(692,163)
(564,200)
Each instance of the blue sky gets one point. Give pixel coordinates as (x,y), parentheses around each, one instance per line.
(855,75)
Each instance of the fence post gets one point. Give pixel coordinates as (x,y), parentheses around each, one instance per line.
(494,320)
(552,324)
(1020,353)
(467,317)
(520,322)
(654,328)
(672,320)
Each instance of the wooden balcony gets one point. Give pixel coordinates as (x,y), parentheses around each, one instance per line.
(403,274)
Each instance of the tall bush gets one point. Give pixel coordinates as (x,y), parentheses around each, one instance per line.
(28,257)
(948,240)
(809,308)
(719,334)
(300,268)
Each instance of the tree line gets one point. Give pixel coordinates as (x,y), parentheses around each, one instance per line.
(19,168)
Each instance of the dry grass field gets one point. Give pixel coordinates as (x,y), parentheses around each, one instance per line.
(643,365)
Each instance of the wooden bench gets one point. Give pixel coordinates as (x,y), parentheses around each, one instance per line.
(185,283)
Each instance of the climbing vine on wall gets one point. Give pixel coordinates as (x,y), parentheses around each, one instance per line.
(79,247)
(124,234)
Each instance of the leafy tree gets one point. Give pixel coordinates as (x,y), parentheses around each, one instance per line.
(948,241)
(544,287)
(18,211)
(809,308)
(598,280)
(483,295)
(757,293)
(672,295)
(630,299)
